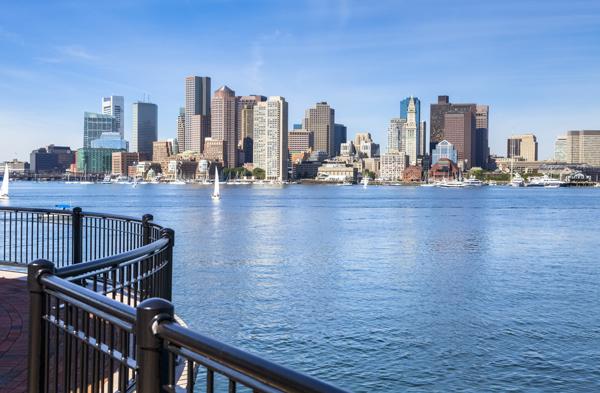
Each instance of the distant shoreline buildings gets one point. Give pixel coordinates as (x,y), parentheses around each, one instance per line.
(248,135)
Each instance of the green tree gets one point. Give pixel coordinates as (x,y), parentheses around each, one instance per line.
(369,174)
(259,173)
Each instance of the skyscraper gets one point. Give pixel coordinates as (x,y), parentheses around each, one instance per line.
(340,135)
(144,130)
(459,130)
(245,125)
(560,149)
(320,120)
(423,129)
(482,149)
(222,117)
(115,106)
(464,140)
(197,102)
(94,124)
(181,129)
(411,134)
(396,141)
(270,138)
(524,147)
(200,130)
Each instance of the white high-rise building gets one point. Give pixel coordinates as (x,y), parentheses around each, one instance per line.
(115,106)
(560,149)
(396,141)
(412,134)
(270,150)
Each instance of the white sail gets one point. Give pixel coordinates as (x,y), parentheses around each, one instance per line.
(216,193)
(5,179)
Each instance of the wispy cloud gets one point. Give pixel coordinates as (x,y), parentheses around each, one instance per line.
(68,53)
(76,52)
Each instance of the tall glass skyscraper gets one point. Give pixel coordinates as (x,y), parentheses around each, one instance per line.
(144,130)
(94,125)
(404,109)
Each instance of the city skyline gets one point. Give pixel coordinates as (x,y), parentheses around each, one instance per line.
(512,65)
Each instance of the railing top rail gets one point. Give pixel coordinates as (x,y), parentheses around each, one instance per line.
(70,211)
(36,210)
(127,256)
(114,217)
(272,374)
(88,297)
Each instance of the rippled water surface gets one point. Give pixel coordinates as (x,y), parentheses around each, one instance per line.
(385,288)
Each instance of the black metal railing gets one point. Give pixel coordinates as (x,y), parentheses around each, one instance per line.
(101,319)
(67,237)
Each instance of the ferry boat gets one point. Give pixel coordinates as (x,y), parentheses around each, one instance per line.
(473,182)
(544,181)
(451,184)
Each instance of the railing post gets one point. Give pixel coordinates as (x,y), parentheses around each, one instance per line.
(37,329)
(168,290)
(152,358)
(146,219)
(77,232)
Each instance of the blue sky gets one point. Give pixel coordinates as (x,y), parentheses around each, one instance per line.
(536,63)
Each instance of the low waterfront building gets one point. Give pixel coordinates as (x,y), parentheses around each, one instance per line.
(444,169)
(519,165)
(51,159)
(336,172)
(95,161)
(412,174)
(306,169)
(122,160)
(16,166)
(215,150)
(393,165)
(147,170)
(179,169)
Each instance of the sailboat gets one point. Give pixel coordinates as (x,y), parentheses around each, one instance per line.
(216,195)
(5,180)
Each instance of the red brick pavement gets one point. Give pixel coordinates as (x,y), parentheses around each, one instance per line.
(14,323)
